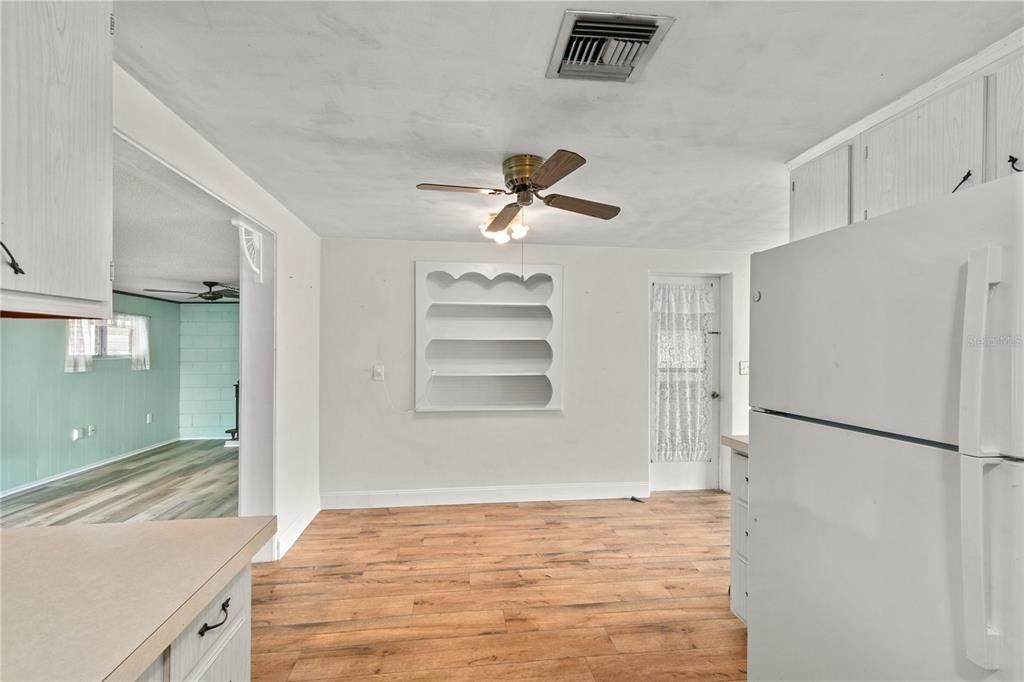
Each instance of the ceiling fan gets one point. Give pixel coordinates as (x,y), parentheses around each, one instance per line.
(525,176)
(210,294)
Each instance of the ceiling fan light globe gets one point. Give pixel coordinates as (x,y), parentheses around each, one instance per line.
(502,237)
(518,230)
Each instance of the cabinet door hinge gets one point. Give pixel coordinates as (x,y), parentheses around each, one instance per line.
(792,186)
(111,271)
(865,151)
(111,23)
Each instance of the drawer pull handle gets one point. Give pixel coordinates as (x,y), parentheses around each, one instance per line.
(207,627)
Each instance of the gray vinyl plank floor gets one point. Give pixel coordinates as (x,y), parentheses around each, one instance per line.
(183,480)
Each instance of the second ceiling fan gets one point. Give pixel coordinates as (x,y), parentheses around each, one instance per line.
(525,176)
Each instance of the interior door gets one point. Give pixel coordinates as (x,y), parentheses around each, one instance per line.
(704,377)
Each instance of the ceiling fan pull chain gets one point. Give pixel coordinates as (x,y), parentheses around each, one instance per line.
(522,251)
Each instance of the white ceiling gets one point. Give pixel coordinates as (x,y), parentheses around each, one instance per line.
(340,108)
(168,234)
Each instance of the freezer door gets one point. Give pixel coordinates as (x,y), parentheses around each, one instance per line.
(865,325)
(855,565)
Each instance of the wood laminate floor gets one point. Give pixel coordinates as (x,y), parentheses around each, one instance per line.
(184,480)
(597,591)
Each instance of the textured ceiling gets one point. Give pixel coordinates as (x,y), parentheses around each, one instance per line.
(168,234)
(340,108)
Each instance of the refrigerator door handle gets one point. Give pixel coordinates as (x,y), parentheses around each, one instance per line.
(984,271)
(982,637)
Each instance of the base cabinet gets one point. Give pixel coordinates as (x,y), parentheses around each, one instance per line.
(739,533)
(216,646)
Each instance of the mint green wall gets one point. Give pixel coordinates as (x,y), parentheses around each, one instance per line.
(41,404)
(209,368)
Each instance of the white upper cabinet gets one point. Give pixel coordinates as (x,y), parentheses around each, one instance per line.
(56,210)
(924,153)
(819,198)
(1007,120)
(919,151)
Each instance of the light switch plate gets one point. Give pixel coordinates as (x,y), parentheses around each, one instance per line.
(90,430)
(149,417)
(744,367)
(76,434)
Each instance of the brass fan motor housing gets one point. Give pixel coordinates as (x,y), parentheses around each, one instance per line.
(518,169)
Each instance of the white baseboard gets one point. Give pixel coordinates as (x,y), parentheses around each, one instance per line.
(423,497)
(287,537)
(83,469)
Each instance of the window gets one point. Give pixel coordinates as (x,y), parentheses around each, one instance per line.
(124,336)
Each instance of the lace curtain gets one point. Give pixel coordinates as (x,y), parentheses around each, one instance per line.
(139,326)
(87,339)
(81,345)
(681,318)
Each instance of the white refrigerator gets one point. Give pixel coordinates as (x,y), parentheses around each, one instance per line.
(887,447)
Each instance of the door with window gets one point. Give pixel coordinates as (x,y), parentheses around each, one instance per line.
(684,319)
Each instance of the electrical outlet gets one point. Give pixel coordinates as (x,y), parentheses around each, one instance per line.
(76,434)
(149,417)
(377,373)
(90,430)
(744,367)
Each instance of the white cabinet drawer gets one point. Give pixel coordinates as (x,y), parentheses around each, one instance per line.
(230,662)
(738,588)
(190,648)
(739,531)
(739,476)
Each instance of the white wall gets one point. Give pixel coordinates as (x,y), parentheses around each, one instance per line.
(376,452)
(142,118)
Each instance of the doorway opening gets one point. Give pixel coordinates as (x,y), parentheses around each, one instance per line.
(685,348)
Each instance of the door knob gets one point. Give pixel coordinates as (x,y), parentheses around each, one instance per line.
(715,395)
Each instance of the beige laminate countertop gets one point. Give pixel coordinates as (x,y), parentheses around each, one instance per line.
(98,602)
(739,443)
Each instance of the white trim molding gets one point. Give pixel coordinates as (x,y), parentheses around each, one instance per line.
(287,537)
(425,497)
(969,67)
(81,470)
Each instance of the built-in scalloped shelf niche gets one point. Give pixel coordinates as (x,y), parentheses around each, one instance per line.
(488,337)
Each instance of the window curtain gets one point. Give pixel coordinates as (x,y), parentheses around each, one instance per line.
(681,318)
(81,345)
(139,326)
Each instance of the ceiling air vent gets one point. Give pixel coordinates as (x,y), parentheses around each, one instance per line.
(603,46)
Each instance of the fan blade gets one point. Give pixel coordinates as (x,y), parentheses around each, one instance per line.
(460,188)
(590,208)
(502,220)
(227,293)
(170,291)
(560,164)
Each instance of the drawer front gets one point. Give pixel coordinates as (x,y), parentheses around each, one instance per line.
(739,531)
(190,647)
(231,662)
(740,479)
(738,588)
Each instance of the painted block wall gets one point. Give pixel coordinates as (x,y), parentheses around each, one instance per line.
(209,369)
(40,403)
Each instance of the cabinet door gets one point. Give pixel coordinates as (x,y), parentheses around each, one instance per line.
(819,197)
(56,149)
(1008,117)
(924,153)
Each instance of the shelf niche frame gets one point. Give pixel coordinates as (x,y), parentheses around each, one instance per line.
(505,352)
